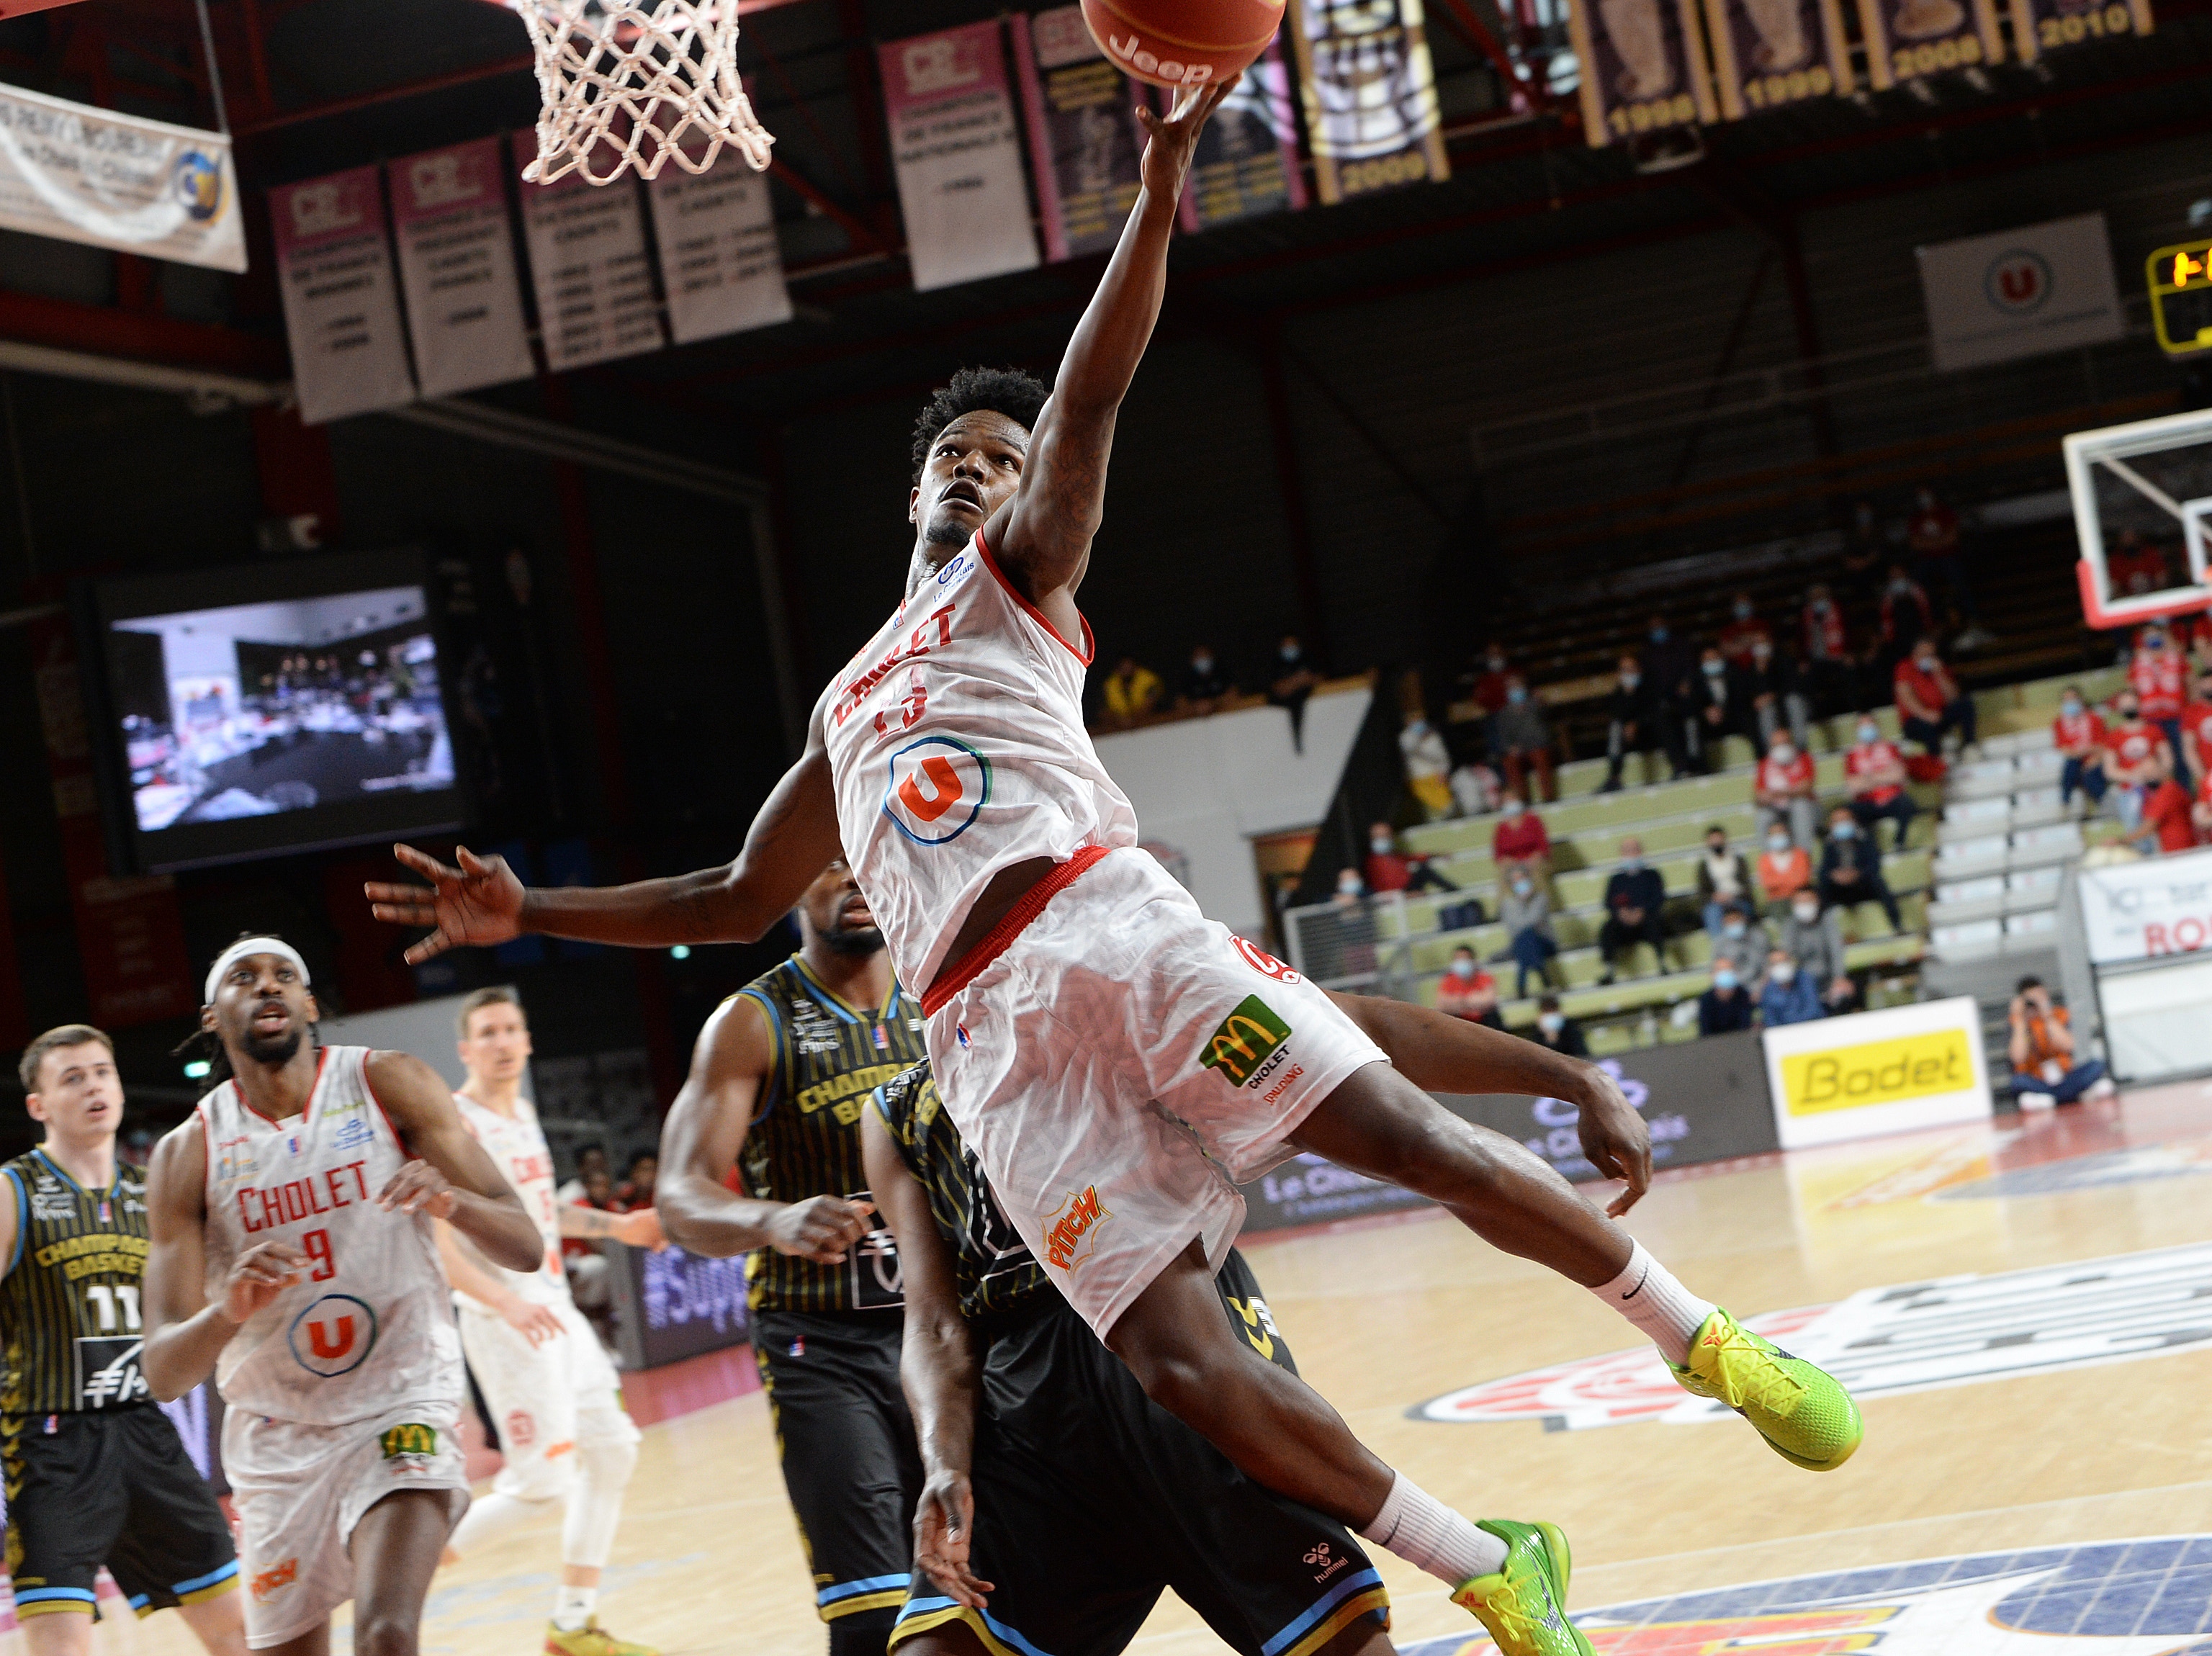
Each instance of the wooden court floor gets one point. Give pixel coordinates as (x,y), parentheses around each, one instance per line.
(2052,1387)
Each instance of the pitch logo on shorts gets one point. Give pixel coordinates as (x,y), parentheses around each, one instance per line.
(1247,1046)
(1070,1233)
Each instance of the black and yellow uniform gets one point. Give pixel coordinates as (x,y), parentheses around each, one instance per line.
(1090,1498)
(826,1337)
(95,1471)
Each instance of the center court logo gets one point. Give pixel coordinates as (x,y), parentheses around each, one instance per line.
(1071,1232)
(333,1336)
(1243,1044)
(936,787)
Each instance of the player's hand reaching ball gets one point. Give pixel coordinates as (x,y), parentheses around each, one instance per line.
(258,1276)
(1615,1139)
(480,901)
(1174,136)
(942,1521)
(822,1228)
(418,1188)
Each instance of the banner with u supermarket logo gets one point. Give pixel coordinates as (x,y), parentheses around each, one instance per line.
(1895,1070)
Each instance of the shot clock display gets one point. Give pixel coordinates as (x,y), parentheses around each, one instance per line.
(2181,298)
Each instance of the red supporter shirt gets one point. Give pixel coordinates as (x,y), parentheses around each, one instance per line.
(1523,838)
(1738,636)
(1858,761)
(1387,871)
(2167,811)
(2155,676)
(1468,999)
(1825,637)
(2197,726)
(1933,691)
(2084,728)
(1490,691)
(1792,777)
(2132,747)
(1933,533)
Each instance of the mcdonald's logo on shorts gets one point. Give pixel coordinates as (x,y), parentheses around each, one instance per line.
(1244,1041)
(409,1440)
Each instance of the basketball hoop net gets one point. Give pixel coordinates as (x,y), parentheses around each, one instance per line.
(627,82)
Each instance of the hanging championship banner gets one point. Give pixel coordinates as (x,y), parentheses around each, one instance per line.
(2041,26)
(957,155)
(587,266)
(721,264)
(1084,137)
(1907,40)
(110,180)
(341,305)
(1767,53)
(1247,162)
(457,269)
(1644,67)
(1370,95)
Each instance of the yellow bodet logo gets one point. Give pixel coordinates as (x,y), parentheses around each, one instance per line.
(1877,1072)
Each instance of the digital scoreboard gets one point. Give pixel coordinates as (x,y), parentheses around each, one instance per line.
(2181,298)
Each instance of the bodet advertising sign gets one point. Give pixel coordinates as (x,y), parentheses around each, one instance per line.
(1894,1071)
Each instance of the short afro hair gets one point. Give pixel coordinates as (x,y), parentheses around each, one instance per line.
(1020,397)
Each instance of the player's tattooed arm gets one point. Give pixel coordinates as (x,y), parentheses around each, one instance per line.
(939,1369)
(699,1144)
(1445,1054)
(1042,536)
(451,1178)
(639,1229)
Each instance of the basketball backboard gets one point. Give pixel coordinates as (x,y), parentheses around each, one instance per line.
(2142,509)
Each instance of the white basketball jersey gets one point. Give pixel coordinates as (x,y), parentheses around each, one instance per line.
(516,1145)
(956,739)
(368,1326)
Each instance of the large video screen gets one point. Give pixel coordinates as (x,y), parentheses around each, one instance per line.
(277,719)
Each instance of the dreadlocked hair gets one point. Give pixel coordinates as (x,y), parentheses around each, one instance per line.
(207,1046)
(1020,397)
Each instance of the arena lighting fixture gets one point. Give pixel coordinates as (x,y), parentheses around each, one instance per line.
(197,1070)
(682,951)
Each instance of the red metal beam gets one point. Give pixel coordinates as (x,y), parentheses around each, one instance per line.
(138,335)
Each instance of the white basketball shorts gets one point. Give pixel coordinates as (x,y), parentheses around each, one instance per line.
(1121,1064)
(547,1400)
(301,1489)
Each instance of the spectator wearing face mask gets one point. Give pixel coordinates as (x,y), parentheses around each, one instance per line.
(2041,1046)
(1489,694)
(1742,945)
(1351,889)
(1929,700)
(1830,670)
(1866,546)
(1874,777)
(2137,759)
(1744,630)
(1466,991)
(1781,789)
(1556,1030)
(1726,1007)
(1670,665)
(1777,697)
(1789,995)
(2158,676)
(2133,568)
(1720,706)
(1814,938)
(1292,686)
(2197,727)
(2078,734)
(2167,824)
(1906,615)
(1723,878)
(1635,904)
(1783,869)
(1428,765)
(1851,869)
(1389,869)
(1524,740)
(1519,840)
(1130,694)
(1932,533)
(1205,684)
(1524,908)
(1631,715)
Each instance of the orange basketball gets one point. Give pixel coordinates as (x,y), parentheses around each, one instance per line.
(1175,43)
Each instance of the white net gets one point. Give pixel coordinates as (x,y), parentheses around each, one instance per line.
(628,85)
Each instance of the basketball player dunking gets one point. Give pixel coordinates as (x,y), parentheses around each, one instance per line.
(1116,1059)
(292,1253)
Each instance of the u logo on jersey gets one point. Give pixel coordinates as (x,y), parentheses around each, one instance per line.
(936,787)
(333,1336)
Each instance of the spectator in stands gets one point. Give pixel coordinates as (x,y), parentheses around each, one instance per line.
(2133,568)
(1205,682)
(589,1159)
(1469,992)
(638,1184)
(1850,868)
(1743,630)
(1777,696)
(1631,714)
(1351,889)
(1781,789)
(1669,665)
(2196,726)
(1866,545)
(1830,671)
(1294,683)
(1719,707)
(1930,702)
(1524,908)
(1519,840)
(2137,759)
(1906,618)
(1932,533)
(1814,938)
(1489,694)
(1556,1030)
(1389,869)
(1875,776)
(1723,878)
(1428,764)
(2168,825)
(585,1265)
(1635,910)
(1132,693)
(1726,1007)
(1743,943)
(1524,738)
(1785,867)
(1788,996)
(2078,734)
(2158,676)
(2200,812)
(2041,1050)
(1475,789)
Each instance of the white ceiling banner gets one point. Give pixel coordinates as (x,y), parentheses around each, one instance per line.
(340,303)
(588,266)
(963,190)
(457,266)
(721,264)
(139,187)
(2042,288)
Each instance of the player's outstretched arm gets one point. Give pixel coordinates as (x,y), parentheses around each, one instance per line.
(699,1144)
(939,1369)
(1042,537)
(1445,1054)
(638,1229)
(478,900)
(453,1177)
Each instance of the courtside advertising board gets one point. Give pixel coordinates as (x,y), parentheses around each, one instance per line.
(2139,911)
(1895,1070)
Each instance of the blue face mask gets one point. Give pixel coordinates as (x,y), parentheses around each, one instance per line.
(1845,830)
(1632,865)
(1658,635)
(1516,695)
(1725,979)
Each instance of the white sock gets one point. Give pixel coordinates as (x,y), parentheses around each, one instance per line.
(573,1606)
(1647,1293)
(1421,1530)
